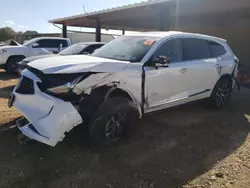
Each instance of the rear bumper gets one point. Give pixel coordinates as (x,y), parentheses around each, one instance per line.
(48,117)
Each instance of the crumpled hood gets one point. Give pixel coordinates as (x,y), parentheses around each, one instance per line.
(33,58)
(76,64)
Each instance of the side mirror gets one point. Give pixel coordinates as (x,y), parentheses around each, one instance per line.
(35,45)
(162,60)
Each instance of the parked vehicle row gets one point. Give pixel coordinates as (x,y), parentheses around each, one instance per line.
(75,49)
(119,83)
(10,56)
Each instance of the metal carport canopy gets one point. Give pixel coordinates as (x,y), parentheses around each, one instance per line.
(158,14)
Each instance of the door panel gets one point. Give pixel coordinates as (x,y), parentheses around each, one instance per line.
(164,86)
(201,75)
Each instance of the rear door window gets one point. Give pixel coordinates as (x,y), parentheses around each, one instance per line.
(195,49)
(216,49)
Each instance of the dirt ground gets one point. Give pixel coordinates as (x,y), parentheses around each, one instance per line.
(188,146)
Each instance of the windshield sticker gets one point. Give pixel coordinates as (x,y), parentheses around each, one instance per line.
(148,42)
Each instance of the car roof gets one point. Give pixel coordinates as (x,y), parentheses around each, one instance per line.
(52,38)
(162,34)
(90,43)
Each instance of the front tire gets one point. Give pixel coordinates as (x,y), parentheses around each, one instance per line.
(112,120)
(221,94)
(12,65)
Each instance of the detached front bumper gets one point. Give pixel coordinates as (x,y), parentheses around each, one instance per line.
(48,118)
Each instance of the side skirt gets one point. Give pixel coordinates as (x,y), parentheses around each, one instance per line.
(171,103)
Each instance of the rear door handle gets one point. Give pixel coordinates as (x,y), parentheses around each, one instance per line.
(183,70)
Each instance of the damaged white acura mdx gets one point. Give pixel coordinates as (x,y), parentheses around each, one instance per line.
(119,83)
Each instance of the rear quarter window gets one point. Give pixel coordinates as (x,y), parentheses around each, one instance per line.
(216,49)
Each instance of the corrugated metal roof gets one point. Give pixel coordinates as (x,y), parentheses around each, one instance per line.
(143,3)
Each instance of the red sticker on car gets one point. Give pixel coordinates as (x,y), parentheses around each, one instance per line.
(149,42)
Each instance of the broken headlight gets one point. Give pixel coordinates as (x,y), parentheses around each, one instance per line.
(58,84)
(64,88)
(61,85)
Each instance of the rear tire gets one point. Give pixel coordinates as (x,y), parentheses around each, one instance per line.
(12,65)
(112,120)
(221,94)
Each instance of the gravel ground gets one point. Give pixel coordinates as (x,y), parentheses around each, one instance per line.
(188,146)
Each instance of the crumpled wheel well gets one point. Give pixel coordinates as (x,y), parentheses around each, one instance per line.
(117,92)
(228,77)
(89,103)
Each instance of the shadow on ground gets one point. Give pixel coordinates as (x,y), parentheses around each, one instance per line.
(5,92)
(166,150)
(6,76)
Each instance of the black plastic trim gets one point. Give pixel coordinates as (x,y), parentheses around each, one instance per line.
(200,93)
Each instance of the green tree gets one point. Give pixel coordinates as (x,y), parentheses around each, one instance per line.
(6,33)
(30,33)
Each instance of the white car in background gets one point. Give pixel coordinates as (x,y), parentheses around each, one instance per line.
(127,78)
(75,49)
(11,55)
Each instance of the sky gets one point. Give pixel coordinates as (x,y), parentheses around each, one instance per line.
(24,15)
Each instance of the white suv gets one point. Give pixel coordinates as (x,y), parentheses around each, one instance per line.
(11,55)
(130,76)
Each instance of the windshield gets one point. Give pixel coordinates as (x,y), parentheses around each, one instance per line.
(73,50)
(30,42)
(126,48)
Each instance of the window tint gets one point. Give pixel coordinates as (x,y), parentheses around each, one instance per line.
(44,43)
(216,49)
(90,49)
(64,43)
(194,49)
(51,43)
(170,49)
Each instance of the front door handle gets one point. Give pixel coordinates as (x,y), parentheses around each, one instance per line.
(183,70)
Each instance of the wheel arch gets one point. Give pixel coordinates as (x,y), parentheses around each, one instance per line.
(98,95)
(228,77)
(224,76)
(14,56)
(117,91)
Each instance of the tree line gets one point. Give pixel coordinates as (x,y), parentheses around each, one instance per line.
(7,33)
